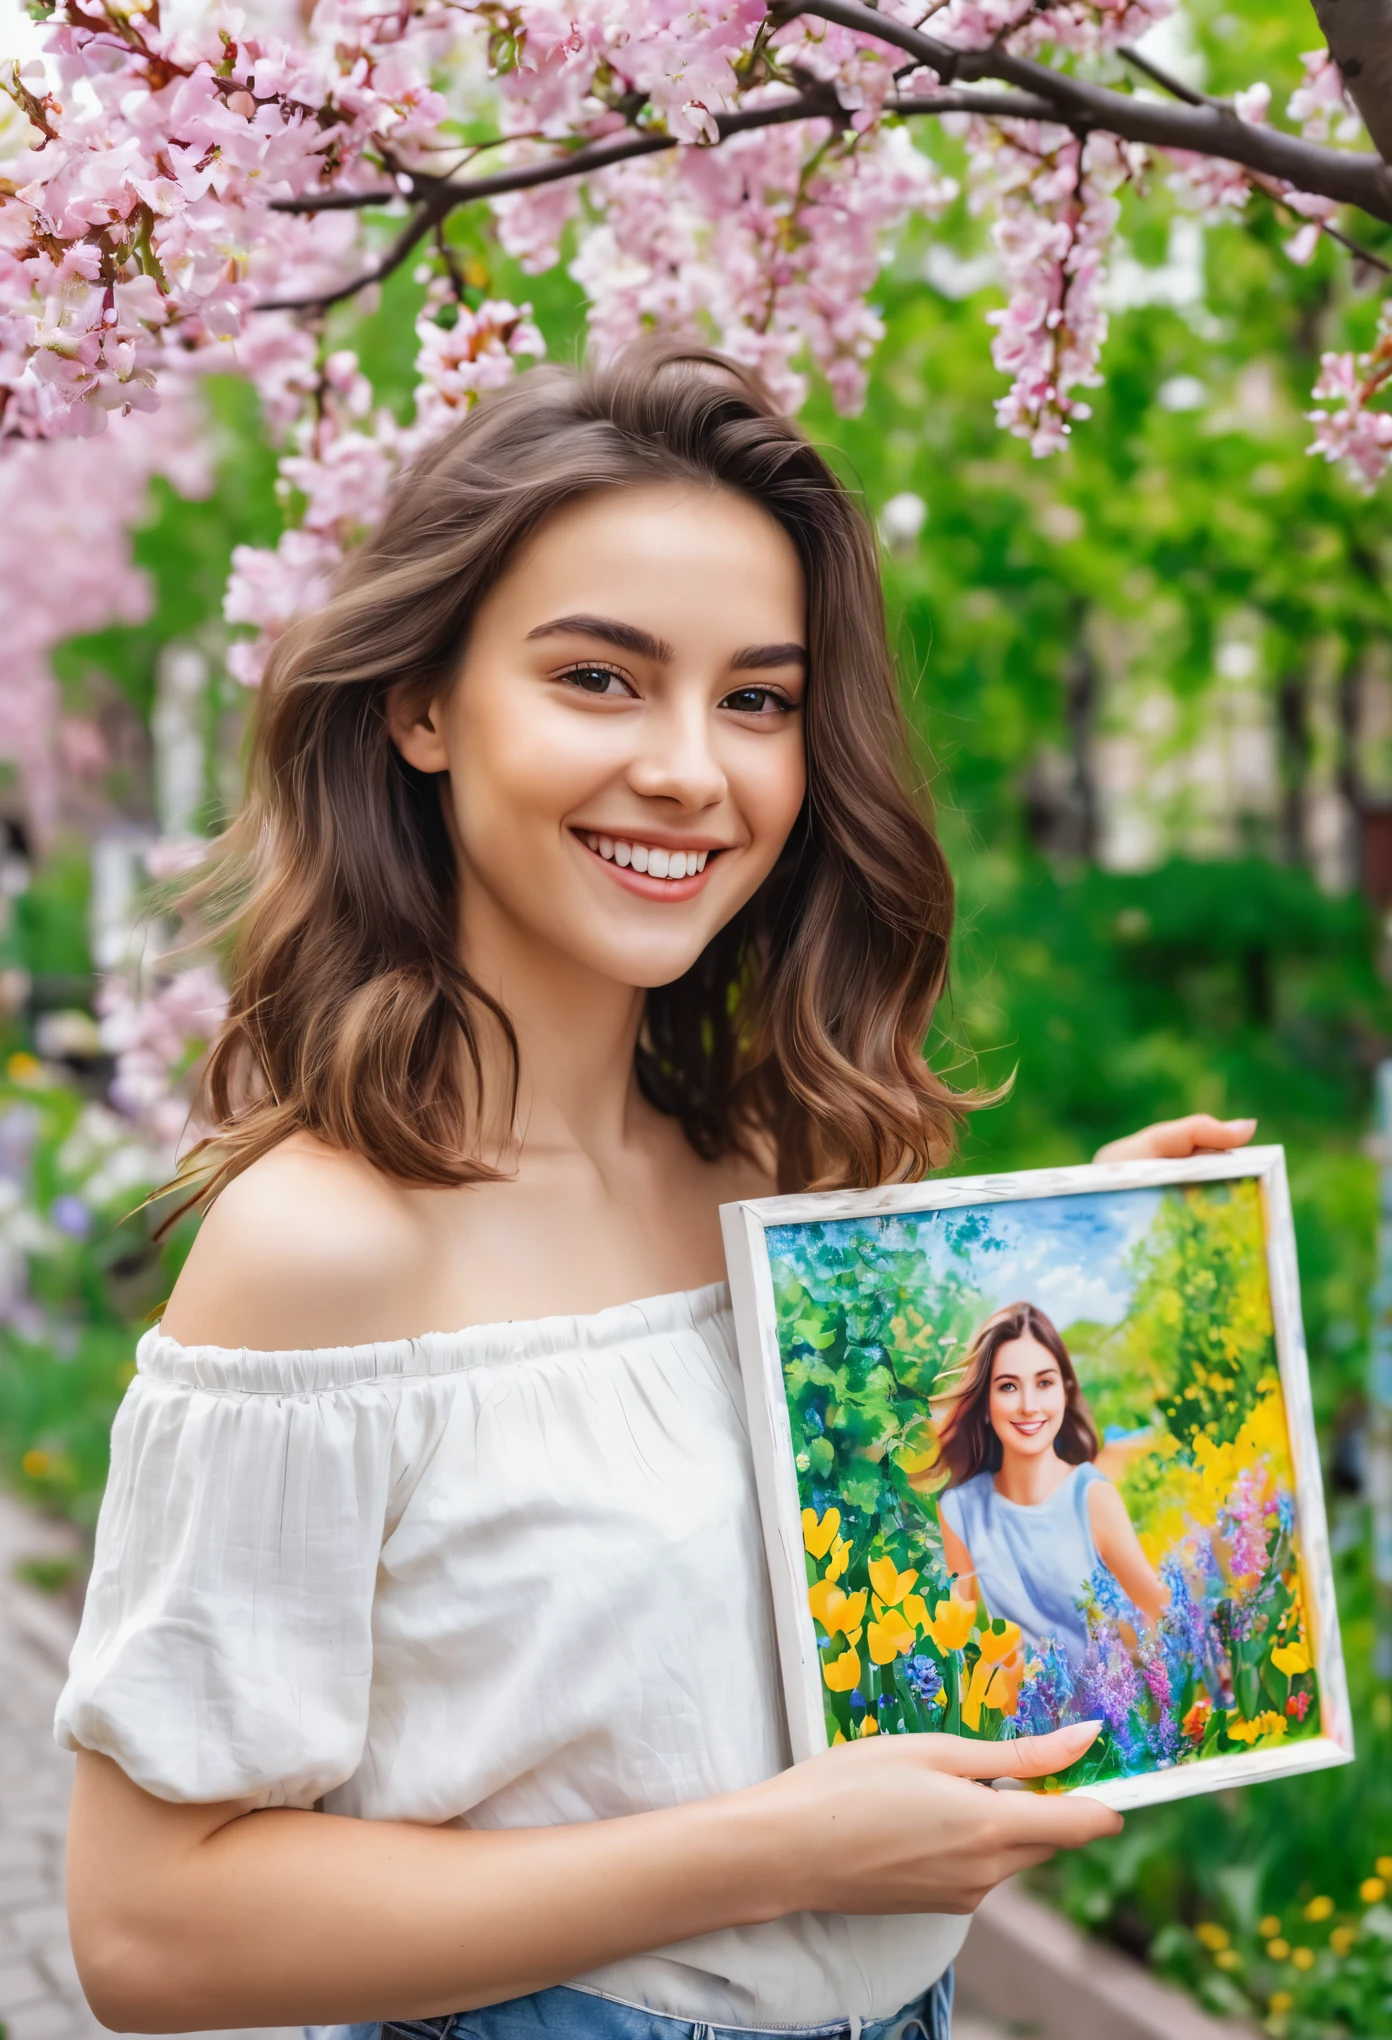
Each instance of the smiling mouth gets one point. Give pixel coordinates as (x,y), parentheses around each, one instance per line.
(652,870)
(1027,1426)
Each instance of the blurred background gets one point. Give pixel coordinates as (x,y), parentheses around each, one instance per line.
(1153,682)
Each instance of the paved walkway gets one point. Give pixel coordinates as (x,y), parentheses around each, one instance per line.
(40,1998)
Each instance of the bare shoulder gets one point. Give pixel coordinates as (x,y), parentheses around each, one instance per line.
(307,1247)
(1105,1505)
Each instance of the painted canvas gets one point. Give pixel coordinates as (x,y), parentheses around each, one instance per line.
(1039,1458)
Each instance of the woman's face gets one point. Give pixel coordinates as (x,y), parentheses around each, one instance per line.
(625,739)
(1028,1397)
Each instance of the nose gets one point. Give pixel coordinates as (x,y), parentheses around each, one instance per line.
(676,759)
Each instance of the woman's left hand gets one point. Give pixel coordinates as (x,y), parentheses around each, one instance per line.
(1172,1139)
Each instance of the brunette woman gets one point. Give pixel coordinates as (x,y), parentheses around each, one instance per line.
(1028,1517)
(427,1661)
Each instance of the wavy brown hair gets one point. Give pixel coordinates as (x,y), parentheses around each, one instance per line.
(968,1440)
(352,1013)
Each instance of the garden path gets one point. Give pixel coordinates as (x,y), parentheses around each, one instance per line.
(40,1997)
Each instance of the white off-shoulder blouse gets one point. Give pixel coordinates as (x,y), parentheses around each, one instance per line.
(505,1577)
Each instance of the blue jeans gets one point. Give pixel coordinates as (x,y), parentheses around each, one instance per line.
(566,2013)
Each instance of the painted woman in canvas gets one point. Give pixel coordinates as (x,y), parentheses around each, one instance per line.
(1029,1517)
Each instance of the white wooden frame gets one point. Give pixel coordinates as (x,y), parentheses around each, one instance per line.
(751,1286)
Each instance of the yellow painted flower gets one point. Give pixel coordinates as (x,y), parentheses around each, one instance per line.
(1269,1724)
(1291,1658)
(840,1559)
(833,1607)
(919,1451)
(869,1726)
(1278,1949)
(997,1645)
(1372,1889)
(991,1685)
(915,1610)
(819,1537)
(1280,2001)
(889,1583)
(1319,1908)
(952,1623)
(1303,1958)
(1342,1939)
(889,1637)
(842,1673)
(838,1737)
(1212,1935)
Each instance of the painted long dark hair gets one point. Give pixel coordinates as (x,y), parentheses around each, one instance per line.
(968,1441)
(351,1014)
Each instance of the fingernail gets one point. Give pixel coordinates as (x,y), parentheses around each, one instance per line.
(1239,1122)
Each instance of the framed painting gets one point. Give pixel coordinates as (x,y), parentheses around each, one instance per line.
(1039,1448)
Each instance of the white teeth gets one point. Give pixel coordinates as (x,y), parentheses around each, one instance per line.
(648,857)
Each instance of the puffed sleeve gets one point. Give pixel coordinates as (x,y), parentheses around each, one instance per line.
(225,1650)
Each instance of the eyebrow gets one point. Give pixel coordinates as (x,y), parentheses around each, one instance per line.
(629,637)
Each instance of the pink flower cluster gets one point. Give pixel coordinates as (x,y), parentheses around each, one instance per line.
(344,457)
(155,1034)
(1056,210)
(1357,430)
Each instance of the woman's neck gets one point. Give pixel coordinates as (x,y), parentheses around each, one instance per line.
(576,1035)
(1031,1477)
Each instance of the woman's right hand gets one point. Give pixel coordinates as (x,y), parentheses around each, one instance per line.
(899,1824)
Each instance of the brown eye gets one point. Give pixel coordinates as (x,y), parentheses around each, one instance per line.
(591,679)
(758,701)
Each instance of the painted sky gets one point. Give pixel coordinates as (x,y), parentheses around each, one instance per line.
(1067,1254)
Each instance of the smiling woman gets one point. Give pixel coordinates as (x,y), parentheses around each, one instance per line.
(583,884)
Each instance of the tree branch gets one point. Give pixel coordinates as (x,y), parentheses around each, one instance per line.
(1349,177)
(437,197)
(1359,34)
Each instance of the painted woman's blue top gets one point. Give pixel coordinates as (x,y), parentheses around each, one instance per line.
(1031,1559)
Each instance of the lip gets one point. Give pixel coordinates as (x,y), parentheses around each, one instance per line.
(1028,1427)
(667,891)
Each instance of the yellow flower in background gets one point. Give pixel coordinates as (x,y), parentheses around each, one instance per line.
(1383,1866)
(952,1623)
(1372,1889)
(842,1673)
(869,1726)
(1269,1926)
(1280,2001)
(1291,1658)
(889,1583)
(1342,1939)
(24,1068)
(996,1647)
(991,1685)
(889,1637)
(1278,1949)
(915,1610)
(1303,1958)
(840,1559)
(36,1462)
(1319,1908)
(1212,1935)
(919,1450)
(838,1737)
(1228,1959)
(819,1537)
(833,1607)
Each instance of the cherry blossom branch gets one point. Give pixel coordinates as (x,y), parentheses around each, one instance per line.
(441,196)
(1359,34)
(1349,177)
